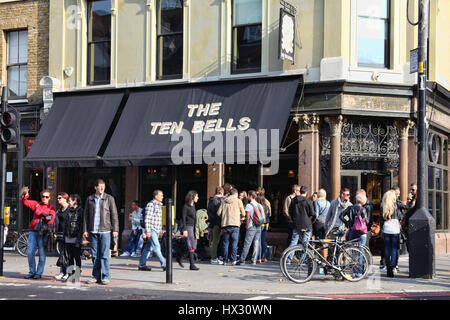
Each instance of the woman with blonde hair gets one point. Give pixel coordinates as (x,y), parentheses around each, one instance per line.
(390,215)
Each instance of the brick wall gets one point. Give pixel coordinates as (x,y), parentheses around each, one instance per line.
(32,15)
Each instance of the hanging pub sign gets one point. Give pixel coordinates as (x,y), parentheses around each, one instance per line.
(287,35)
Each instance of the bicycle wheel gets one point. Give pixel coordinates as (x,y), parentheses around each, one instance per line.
(283,270)
(353,264)
(365,249)
(22,244)
(302,266)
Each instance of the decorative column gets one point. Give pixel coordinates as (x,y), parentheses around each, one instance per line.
(403,127)
(335,123)
(308,148)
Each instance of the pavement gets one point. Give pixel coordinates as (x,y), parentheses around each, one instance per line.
(253,282)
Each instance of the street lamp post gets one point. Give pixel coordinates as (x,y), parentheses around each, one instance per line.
(169,214)
(2,188)
(421,226)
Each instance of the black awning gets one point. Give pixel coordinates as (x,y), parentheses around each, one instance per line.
(143,133)
(75,130)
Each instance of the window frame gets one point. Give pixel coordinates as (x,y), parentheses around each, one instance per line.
(18,64)
(91,44)
(433,165)
(387,41)
(234,69)
(160,40)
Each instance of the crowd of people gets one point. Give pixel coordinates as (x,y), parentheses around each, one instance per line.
(235,223)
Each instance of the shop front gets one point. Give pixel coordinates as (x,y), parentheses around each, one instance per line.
(175,138)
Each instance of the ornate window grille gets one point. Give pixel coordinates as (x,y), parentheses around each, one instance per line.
(364,141)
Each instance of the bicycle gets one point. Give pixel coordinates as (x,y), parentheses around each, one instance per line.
(355,243)
(347,262)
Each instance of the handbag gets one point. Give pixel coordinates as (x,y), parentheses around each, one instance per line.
(63,261)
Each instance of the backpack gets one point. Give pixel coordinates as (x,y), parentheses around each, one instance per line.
(359,225)
(258,216)
(267,213)
(143,217)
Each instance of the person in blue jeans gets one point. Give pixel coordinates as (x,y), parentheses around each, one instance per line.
(153,227)
(301,211)
(43,213)
(391,215)
(348,217)
(134,244)
(100,218)
(232,214)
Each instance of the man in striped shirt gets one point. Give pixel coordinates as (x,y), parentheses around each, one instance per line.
(153,226)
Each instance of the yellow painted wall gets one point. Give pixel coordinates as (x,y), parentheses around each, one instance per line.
(324,30)
(440,42)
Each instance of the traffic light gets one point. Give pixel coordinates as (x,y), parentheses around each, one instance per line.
(10,121)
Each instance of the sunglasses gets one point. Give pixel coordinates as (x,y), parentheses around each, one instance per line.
(347,194)
(45,197)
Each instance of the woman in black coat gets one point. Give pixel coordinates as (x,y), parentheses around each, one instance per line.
(188,219)
(73,234)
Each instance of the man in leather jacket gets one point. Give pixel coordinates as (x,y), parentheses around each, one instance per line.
(100,218)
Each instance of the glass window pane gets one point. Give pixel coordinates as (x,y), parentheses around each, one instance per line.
(438,211)
(23,46)
(437,176)
(23,80)
(372,36)
(100,66)
(247,47)
(247,12)
(100,20)
(13,46)
(430,178)
(445,153)
(13,81)
(445,177)
(430,204)
(170,55)
(171,16)
(445,216)
(373,8)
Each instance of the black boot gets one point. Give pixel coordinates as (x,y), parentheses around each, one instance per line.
(179,261)
(390,272)
(191,261)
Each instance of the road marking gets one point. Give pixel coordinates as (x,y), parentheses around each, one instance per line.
(314,297)
(32,296)
(258,298)
(15,284)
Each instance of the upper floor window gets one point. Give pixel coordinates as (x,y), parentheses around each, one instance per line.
(99,42)
(373,33)
(247,26)
(170,39)
(17,59)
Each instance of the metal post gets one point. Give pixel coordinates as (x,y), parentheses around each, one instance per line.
(2,188)
(421,224)
(169,240)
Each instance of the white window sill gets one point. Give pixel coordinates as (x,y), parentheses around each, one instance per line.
(17,101)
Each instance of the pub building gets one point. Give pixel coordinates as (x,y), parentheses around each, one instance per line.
(333,96)
(342,136)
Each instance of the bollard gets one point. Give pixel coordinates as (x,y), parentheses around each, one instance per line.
(169,241)
(421,228)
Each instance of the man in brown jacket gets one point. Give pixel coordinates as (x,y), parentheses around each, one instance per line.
(232,214)
(100,218)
